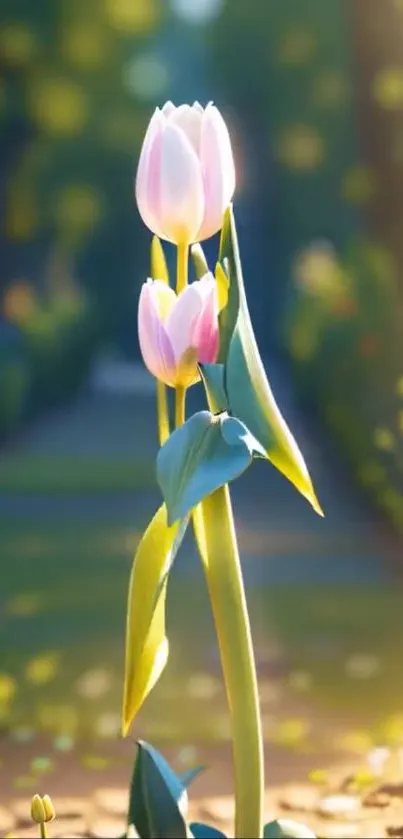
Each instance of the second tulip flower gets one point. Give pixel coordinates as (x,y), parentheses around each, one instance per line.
(177,332)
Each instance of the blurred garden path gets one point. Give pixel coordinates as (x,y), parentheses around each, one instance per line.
(76,490)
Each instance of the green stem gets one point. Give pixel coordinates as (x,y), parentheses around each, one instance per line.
(182,267)
(180,403)
(217,540)
(43,831)
(162,413)
(182,259)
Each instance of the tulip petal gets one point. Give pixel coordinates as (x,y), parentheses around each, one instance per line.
(165,299)
(218,170)
(148,170)
(155,345)
(181,195)
(207,333)
(190,121)
(168,108)
(184,316)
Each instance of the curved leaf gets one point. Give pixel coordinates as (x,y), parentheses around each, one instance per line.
(205,831)
(203,454)
(213,378)
(146,642)
(199,260)
(249,394)
(187,777)
(158,799)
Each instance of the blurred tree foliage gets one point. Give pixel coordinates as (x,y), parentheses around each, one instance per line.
(318,90)
(74,106)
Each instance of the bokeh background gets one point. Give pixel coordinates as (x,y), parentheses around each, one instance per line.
(313,95)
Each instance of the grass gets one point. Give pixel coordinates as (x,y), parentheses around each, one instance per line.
(38,474)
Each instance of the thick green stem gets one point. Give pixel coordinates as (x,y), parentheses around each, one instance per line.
(215,532)
(43,831)
(182,260)
(162,413)
(180,400)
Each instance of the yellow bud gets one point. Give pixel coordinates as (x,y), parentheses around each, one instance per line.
(49,808)
(38,810)
(42,809)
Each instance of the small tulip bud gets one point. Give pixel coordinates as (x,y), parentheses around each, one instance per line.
(38,813)
(186,176)
(42,809)
(49,808)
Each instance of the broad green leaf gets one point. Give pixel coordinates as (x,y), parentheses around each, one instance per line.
(249,394)
(158,799)
(205,831)
(287,829)
(199,261)
(159,268)
(187,777)
(206,452)
(146,642)
(213,379)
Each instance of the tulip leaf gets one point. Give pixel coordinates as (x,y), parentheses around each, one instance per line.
(222,281)
(187,777)
(287,829)
(213,379)
(159,268)
(158,799)
(146,642)
(199,261)
(200,456)
(205,831)
(249,394)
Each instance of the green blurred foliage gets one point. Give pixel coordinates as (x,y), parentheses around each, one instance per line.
(345,334)
(77,81)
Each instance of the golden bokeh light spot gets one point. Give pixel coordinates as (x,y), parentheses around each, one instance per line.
(42,669)
(372,474)
(59,106)
(316,269)
(21,216)
(400,421)
(358,185)
(399,386)
(296,48)
(384,439)
(24,605)
(301,147)
(85,46)
(122,131)
(78,207)
(388,88)
(330,90)
(128,16)
(19,302)
(8,688)
(17,44)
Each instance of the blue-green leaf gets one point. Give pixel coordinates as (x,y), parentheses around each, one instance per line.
(205,831)
(287,829)
(200,456)
(249,394)
(187,777)
(158,799)
(199,261)
(213,379)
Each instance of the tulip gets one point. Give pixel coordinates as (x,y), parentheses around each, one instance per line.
(186,176)
(178,331)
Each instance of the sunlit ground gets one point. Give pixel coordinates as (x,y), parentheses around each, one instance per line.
(337,649)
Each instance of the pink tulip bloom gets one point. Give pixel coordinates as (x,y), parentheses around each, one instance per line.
(176,332)
(186,176)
